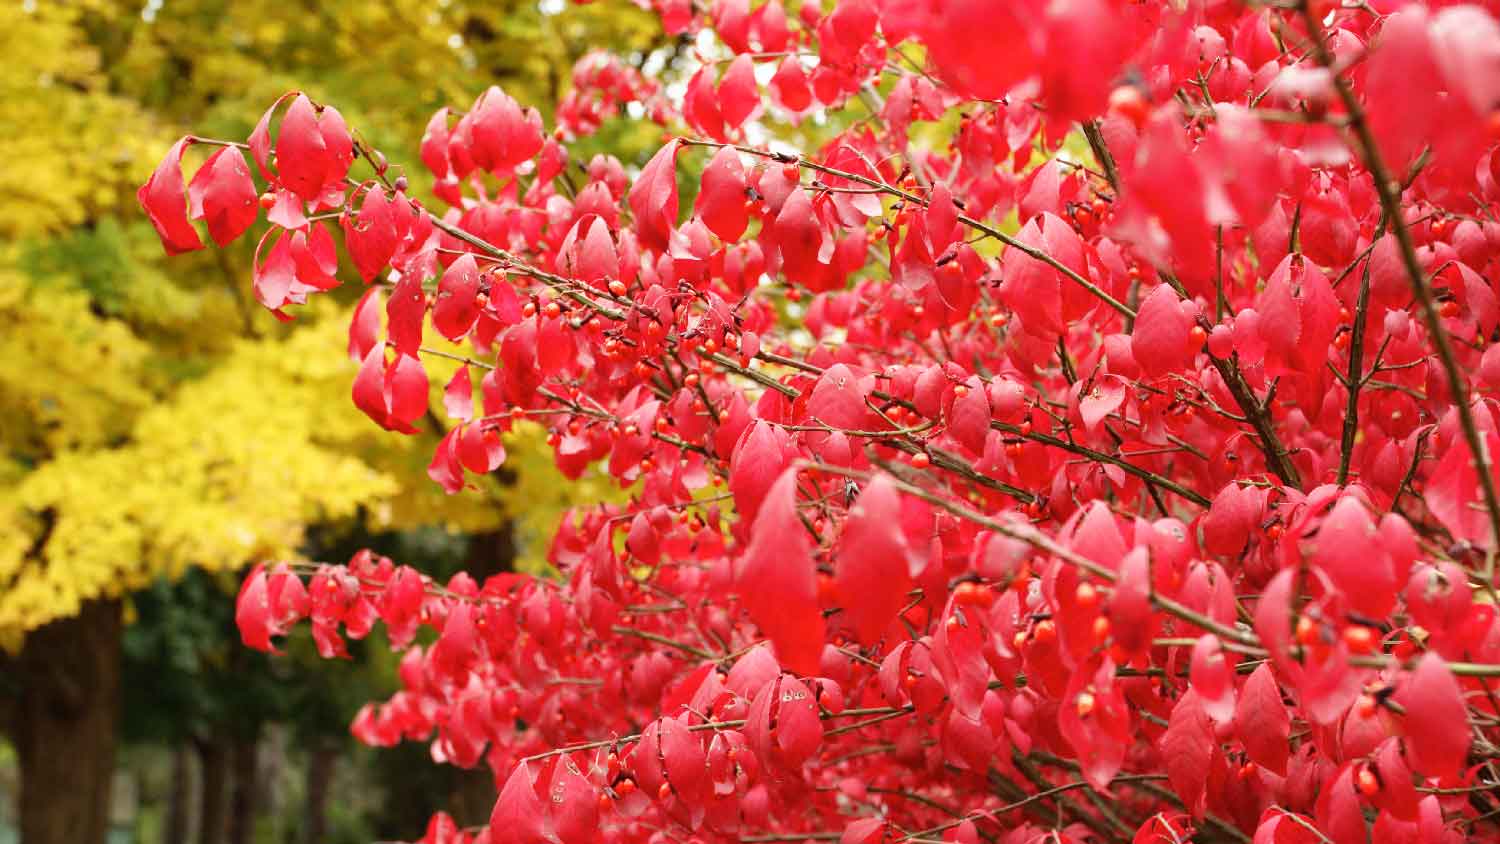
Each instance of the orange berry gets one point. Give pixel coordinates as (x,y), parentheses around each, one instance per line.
(1085,704)
(664,792)
(625,788)
(1086,595)
(1366,782)
(1045,630)
(553,310)
(617,287)
(1359,638)
(920,460)
(1101,629)
(1307,631)
(1448,309)
(267,199)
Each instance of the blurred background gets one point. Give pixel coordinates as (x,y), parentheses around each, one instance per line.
(159,432)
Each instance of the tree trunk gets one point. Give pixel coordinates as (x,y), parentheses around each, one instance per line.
(64,727)
(175,830)
(246,787)
(320,767)
(213,759)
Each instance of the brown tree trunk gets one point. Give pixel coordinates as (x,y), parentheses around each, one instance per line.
(64,726)
(246,788)
(213,762)
(175,830)
(320,767)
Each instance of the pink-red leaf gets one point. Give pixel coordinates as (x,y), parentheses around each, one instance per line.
(164,201)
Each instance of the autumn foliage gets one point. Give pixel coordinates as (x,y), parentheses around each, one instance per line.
(1092,442)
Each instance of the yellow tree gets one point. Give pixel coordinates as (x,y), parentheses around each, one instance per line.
(154,420)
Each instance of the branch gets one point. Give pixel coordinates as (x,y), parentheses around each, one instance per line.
(1390,204)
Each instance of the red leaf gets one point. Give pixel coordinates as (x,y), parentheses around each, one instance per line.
(653,198)
(721,202)
(1130,615)
(1104,398)
(969,419)
(394,395)
(275,278)
(1262,722)
(479,450)
(406,391)
(223,194)
(519,817)
(683,758)
(370,235)
(364,327)
(799,237)
(871,566)
(863,831)
(755,465)
(162,198)
(574,803)
(456,307)
(444,469)
(458,396)
(252,612)
(404,313)
(799,730)
(1401,76)
(597,258)
(790,85)
(838,399)
(1351,553)
(777,582)
(1159,342)
(738,93)
(1187,749)
(1210,674)
(1437,722)
(312,149)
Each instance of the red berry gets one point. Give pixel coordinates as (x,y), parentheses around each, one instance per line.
(920,460)
(267,199)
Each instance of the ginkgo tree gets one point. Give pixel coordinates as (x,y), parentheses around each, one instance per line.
(1092,441)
